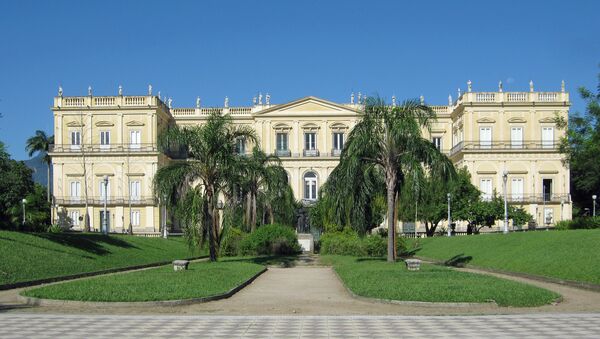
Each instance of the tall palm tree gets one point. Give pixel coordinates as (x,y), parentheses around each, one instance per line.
(263,175)
(40,143)
(390,139)
(207,171)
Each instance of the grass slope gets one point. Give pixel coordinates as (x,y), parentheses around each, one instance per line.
(571,255)
(202,279)
(375,278)
(33,256)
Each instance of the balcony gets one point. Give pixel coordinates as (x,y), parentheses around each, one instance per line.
(97,148)
(513,97)
(99,201)
(537,198)
(505,146)
(106,101)
(283,153)
(336,152)
(310,153)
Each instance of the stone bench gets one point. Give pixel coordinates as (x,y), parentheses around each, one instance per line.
(179,265)
(413,264)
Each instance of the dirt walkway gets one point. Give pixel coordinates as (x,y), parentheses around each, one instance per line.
(309,289)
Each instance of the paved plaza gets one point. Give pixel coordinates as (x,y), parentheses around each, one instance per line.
(22,325)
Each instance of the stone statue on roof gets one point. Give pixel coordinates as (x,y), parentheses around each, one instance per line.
(90,90)
(197,102)
(352,98)
(530,85)
(226,104)
(268,99)
(60,91)
(120,90)
(149,89)
(469,86)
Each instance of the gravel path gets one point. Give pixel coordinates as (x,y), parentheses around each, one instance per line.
(309,289)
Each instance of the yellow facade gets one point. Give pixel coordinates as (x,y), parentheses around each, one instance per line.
(115,138)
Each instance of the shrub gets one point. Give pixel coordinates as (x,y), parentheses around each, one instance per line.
(232,239)
(579,223)
(271,239)
(348,242)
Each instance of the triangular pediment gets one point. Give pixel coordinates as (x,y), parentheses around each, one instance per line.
(104,124)
(547,120)
(309,106)
(135,123)
(75,124)
(517,120)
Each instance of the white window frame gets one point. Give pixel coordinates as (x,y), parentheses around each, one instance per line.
(484,143)
(75,139)
(135,217)
(486,195)
(282,139)
(101,190)
(547,142)
(135,189)
(310,141)
(135,139)
(74,215)
(338,141)
(104,139)
(240,146)
(75,190)
(516,189)
(516,142)
(548,214)
(310,184)
(437,142)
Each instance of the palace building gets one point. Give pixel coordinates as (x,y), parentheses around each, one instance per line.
(106,148)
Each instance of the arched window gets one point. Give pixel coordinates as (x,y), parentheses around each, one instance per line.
(310,186)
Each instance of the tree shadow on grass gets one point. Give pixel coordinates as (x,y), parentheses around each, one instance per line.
(87,242)
(273,260)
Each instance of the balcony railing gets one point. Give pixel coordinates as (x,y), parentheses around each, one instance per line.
(311,153)
(336,152)
(513,146)
(283,153)
(97,148)
(537,198)
(517,97)
(99,200)
(107,101)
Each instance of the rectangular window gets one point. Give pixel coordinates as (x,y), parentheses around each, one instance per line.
(135,138)
(104,190)
(516,189)
(104,139)
(107,224)
(75,190)
(310,141)
(135,218)
(485,137)
(135,189)
(437,142)
(485,186)
(516,137)
(547,137)
(240,146)
(338,141)
(547,189)
(282,141)
(75,140)
(74,215)
(548,216)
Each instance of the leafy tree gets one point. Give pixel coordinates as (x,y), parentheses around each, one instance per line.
(41,143)
(389,139)
(206,173)
(581,146)
(485,213)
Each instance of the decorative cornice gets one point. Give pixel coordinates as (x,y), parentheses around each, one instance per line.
(75,124)
(104,124)
(486,120)
(134,123)
(517,120)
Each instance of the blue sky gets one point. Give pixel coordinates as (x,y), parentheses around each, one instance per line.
(290,49)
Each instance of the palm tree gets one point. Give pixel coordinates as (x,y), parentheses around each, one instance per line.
(41,143)
(211,163)
(390,139)
(263,175)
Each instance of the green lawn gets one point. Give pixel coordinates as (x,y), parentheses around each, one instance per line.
(33,256)
(202,279)
(375,278)
(571,255)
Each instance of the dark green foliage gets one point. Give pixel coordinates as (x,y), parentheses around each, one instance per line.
(272,239)
(231,241)
(581,146)
(33,256)
(349,242)
(579,223)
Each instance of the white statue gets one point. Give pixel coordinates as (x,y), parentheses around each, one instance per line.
(562,86)
(150,90)
(422,99)
(120,90)
(500,86)
(530,85)
(158,95)
(268,99)
(359,97)
(90,90)
(352,98)
(197,102)
(226,102)
(259,98)
(170,102)
(449,100)
(458,97)
(254,100)
(393,101)
(469,86)
(60,90)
